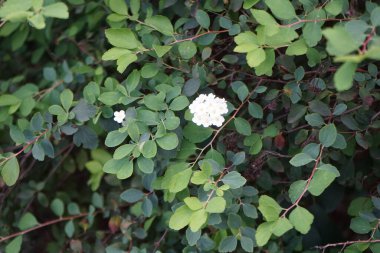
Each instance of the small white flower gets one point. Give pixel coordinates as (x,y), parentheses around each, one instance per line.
(207,110)
(119,116)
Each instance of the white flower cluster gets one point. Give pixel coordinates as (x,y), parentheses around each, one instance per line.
(207,110)
(119,116)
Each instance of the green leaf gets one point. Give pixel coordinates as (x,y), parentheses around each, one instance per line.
(265,68)
(161,24)
(56,10)
(246,41)
(124,61)
(256,57)
(109,97)
(282,9)
(199,177)
(66,98)
(254,142)
(119,7)
(168,141)
(135,6)
(296,189)
(149,149)
(7,99)
(187,49)
(312,33)
(192,237)
(196,134)
(132,195)
(14,246)
(69,228)
(296,113)
(122,38)
(27,221)
(180,181)
(263,233)
(115,138)
(242,126)
(123,151)
(297,47)
(375,16)
(264,18)
(255,110)
(322,178)
(301,219)
(339,41)
(179,103)
(301,159)
(10,171)
(334,7)
(123,168)
(248,4)
(238,158)
(344,77)
(73,208)
(133,131)
(228,244)
(314,120)
(155,102)
(115,53)
(247,243)
(327,135)
(145,165)
(37,20)
(250,211)
(198,218)
(84,111)
(360,225)
(193,203)
(181,218)
(269,208)
(319,107)
(150,70)
(202,18)
(216,205)
(161,50)
(375,247)
(234,180)
(57,207)
(281,226)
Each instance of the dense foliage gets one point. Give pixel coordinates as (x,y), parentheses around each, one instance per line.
(294,167)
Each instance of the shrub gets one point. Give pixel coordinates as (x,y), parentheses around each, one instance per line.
(109,143)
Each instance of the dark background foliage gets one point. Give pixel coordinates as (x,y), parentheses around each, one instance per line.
(301,81)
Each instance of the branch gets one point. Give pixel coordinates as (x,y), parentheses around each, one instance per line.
(157,244)
(182,40)
(315,21)
(45,224)
(2,23)
(307,183)
(197,36)
(25,147)
(344,244)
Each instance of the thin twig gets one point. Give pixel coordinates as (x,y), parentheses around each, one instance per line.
(315,21)
(157,244)
(42,225)
(307,183)
(25,147)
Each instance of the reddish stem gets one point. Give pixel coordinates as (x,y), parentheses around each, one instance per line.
(26,146)
(45,224)
(307,184)
(315,21)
